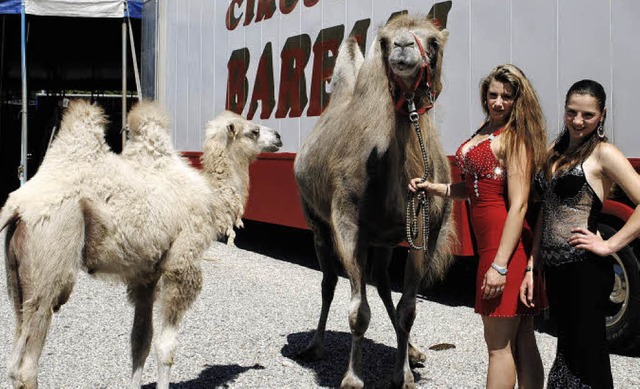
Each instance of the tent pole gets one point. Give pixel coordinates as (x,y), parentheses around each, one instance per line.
(132,42)
(124,81)
(22,169)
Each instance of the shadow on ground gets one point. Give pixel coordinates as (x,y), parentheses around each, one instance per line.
(295,246)
(212,377)
(378,359)
(457,289)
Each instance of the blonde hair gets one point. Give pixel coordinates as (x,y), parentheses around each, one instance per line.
(526,125)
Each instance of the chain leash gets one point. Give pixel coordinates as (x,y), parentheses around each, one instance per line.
(417,201)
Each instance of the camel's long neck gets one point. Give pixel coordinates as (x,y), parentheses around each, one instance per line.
(216,166)
(414,165)
(400,137)
(227,178)
(388,130)
(406,131)
(241,162)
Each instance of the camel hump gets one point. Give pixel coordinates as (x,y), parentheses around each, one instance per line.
(346,70)
(82,117)
(147,113)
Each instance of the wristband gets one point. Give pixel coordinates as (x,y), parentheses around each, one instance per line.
(499,269)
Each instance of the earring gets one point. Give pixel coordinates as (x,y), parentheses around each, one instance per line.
(600,130)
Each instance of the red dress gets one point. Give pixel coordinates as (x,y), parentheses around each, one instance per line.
(486,183)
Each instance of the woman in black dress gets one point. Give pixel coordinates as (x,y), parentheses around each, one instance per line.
(578,175)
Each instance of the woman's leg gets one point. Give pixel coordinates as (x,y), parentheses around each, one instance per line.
(528,361)
(500,336)
(591,349)
(578,293)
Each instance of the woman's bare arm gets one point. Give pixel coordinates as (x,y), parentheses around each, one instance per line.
(616,167)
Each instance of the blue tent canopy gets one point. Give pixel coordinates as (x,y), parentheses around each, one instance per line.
(9,6)
(74,8)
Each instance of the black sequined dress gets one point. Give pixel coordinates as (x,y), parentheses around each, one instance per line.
(578,282)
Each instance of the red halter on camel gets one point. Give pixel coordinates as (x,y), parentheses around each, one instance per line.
(421,197)
(424,72)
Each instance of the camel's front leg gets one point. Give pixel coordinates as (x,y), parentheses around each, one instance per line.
(181,283)
(142,332)
(231,232)
(352,253)
(359,317)
(406,314)
(231,237)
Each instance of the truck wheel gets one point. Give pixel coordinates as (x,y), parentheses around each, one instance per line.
(623,318)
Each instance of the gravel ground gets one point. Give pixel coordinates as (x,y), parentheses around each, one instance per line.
(255,312)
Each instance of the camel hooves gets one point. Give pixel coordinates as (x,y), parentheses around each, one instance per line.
(351,382)
(417,357)
(407,383)
(24,385)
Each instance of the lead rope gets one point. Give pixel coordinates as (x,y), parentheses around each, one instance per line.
(420,196)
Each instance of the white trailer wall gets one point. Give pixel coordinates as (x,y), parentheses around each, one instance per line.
(555,42)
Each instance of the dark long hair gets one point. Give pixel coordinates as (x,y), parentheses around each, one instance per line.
(559,154)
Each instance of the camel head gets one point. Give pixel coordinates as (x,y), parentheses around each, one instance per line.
(241,136)
(412,47)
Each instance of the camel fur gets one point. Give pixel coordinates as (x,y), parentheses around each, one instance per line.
(144,217)
(231,144)
(353,171)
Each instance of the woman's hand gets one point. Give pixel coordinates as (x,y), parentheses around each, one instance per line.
(493,284)
(417,184)
(526,290)
(429,187)
(587,240)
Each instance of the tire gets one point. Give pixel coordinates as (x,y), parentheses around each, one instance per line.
(623,319)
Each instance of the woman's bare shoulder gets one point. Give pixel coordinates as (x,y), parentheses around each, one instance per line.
(608,152)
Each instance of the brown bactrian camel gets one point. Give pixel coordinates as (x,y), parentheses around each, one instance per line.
(353,171)
(143,217)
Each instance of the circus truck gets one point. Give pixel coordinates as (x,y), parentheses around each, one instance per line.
(272,61)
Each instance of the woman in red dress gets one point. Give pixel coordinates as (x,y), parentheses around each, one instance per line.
(499,162)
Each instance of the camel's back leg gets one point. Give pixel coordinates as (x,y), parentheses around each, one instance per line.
(142,297)
(352,252)
(406,314)
(98,225)
(47,257)
(328,262)
(380,261)
(13,251)
(180,284)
